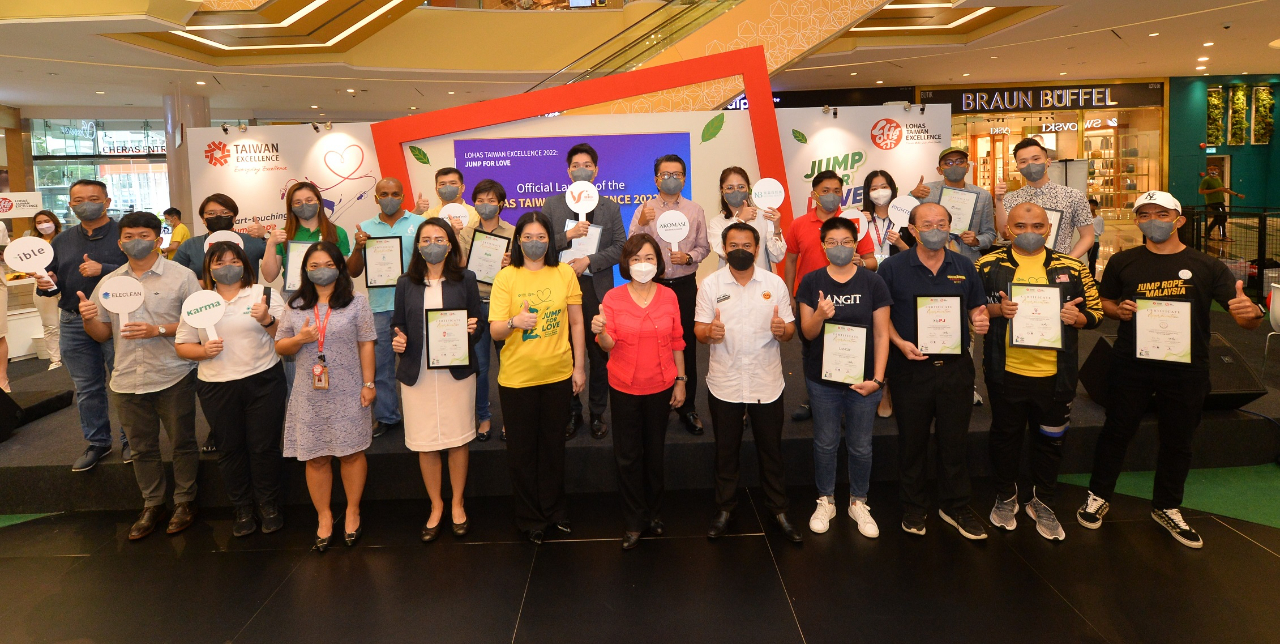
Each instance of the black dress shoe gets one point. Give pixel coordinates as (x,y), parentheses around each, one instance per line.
(322,543)
(484,436)
(719,525)
(184,514)
(381,428)
(146,522)
(430,534)
(460,529)
(691,423)
(803,412)
(788,530)
(564,526)
(598,428)
(630,540)
(272,519)
(656,528)
(534,536)
(352,537)
(245,524)
(575,423)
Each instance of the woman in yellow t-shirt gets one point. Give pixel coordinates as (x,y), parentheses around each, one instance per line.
(536,307)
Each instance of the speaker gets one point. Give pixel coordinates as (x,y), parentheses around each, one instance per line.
(1232,382)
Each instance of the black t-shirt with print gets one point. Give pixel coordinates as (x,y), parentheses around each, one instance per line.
(856,301)
(1188,275)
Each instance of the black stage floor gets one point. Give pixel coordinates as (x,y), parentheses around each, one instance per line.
(75,578)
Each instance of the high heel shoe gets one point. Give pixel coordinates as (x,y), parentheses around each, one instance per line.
(352,537)
(429,533)
(322,543)
(460,529)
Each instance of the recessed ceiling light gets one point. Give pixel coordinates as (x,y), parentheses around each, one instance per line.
(413,108)
(1203,58)
(879,82)
(450,93)
(322,114)
(1154,34)
(994,57)
(1208,44)
(199,82)
(351,91)
(1206,73)
(315,107)
(1200,68)
(853,73)
(965,74)
(53,73)
(1275,44)
(99,92)
(1062,73)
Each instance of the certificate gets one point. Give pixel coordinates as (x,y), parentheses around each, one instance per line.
(582,246)
(1162,330)
(1038,323)
(939,321)
(383,261)
(960,204)
(485,259)
(293,253)
(844,353)
(447,341)
(1055,216)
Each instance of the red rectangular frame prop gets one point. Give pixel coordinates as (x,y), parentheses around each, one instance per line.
(390,136)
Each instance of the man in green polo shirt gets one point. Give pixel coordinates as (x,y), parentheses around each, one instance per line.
(1215,198)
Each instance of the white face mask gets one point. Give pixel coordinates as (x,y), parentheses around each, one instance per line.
(45,227)
(643,272)
(881,197)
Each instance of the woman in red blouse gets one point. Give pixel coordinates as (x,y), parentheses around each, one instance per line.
(639,325)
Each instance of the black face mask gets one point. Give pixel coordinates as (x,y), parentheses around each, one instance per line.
(739,259)
(214,224)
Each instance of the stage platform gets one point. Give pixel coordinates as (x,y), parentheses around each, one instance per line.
(35,472)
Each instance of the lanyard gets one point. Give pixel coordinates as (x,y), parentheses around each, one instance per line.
(879,235)
(322,327)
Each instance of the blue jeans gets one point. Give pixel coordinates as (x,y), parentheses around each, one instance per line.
(482,366)
(88,362)
(386,406)
(831,404)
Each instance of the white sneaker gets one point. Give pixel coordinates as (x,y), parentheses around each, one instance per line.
(54,365)
(977,398)
(861,513)
(822,516)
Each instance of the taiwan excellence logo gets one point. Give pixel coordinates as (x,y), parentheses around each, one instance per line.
(217,153)
(6,204)
(886,134)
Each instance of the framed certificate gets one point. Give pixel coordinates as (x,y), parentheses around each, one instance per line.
(1055,217)
(485,259)
(844,352)
(293,253)
(582,246)
(1038,324)
(939,324)
(960,204)
(447,341)
(383,261)
(1162,330)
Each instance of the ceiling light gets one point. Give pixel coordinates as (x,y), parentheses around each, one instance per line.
(994,57)
(853,73)
(450,93)
(53,73)
(1275,44)
(879,82)
(1203,58)
(329,43)
(413,108)
(1154,34)
(1208,44)
(1200,68)
(964,74)
(99,92)
(955,23)
(199,82)
(1062,73)
(315,107)
(351,91)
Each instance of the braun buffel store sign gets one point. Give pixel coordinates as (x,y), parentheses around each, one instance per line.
(1035,99)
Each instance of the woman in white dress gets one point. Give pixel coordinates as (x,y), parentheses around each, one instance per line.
(439,401)
(735,205)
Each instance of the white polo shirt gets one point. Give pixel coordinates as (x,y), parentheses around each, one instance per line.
(747,366)
(247,348)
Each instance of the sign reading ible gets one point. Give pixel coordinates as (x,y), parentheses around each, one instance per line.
(1033,99)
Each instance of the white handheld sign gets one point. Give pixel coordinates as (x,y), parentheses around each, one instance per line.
(582,197)
(203,309)
(122,295)
(900,210)
(768,193)
(28,254)
(858,220)
(220,236)
(673,227)
(455,212)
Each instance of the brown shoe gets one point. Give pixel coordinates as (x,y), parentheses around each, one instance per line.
(184,514)
(146,522)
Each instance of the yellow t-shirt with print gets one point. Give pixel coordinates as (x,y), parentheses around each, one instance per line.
(544,354)
(1033,363)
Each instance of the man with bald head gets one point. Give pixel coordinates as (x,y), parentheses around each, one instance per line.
(392,221)
(1032,385)
(933,389)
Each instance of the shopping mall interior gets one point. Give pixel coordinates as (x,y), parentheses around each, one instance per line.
(1108,119)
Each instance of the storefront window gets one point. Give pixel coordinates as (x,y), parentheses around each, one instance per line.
(128,156)
(1124,152)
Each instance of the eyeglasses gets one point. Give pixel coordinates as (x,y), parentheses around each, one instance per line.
(217,213)
(671,175)
(951,163)
(847,243)
(928,227)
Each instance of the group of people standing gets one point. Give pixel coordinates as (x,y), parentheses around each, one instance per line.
(317,372)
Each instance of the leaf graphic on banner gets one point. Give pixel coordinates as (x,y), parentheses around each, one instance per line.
(419,155)
(713,127)
(799,136)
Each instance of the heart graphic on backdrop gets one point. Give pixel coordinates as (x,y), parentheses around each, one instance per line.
(544,295)
(346,163)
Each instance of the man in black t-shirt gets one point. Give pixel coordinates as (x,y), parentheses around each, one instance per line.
(1171,285)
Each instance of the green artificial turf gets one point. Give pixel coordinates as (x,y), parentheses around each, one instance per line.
(7,520)
(1247,493)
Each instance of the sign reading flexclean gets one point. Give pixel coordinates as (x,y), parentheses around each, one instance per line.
(1031,99)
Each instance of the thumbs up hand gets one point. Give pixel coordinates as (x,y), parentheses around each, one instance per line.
(921,191)
(361,237)
(1241,307)
(716,333)
(421,205)
(1071,315)
(90,268)
(598,323)
(981,320)
(1008,307)
(88,310)
(278,236)
(260,311)
(826,308)
(525,319)
(777,326)
(308,333)
(646,215)
(399,342)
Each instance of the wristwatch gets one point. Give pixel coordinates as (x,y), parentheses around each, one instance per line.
(370,385)
(511,323)
(268,324)
(682,378)
(161,328)
(878,382)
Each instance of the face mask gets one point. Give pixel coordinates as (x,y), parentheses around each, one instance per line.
(830,202)
(736,198)
(229,274)
(486,211)
(390,205)
(533,249)
(448,193)
(45,228)
(643,272)
(434,253)
(1033,172)
(1156,230)
(671,187)
(840,255)
(1029,242)
(581,174)
(89,210)
(955,173)
(306,211)
(223,222)
(933,239)
(880,197)
(323,276)
(138,248)
(740,259)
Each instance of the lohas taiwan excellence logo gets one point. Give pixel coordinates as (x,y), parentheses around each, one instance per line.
(217,153)
(244,156)
(887,133)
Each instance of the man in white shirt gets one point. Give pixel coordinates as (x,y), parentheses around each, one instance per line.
(1068,208)
(744,313)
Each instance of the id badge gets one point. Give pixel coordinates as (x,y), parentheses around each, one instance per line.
(320,376)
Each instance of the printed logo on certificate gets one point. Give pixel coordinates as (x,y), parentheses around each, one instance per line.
(939,321)
(448,343)
(383,261)
(1162,330)
(961,204)
(485,258)
(844,352)
(1038,323)
(294,252)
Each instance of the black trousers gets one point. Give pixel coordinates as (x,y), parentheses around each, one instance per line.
(1219,219)
(597,358)
(246,418)
(535,418)
(639,440)
(1180,395)
(686,289)
(766,428)
(937,393)
(1016,403)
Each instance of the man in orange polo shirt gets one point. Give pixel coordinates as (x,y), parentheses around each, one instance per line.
(805,251)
